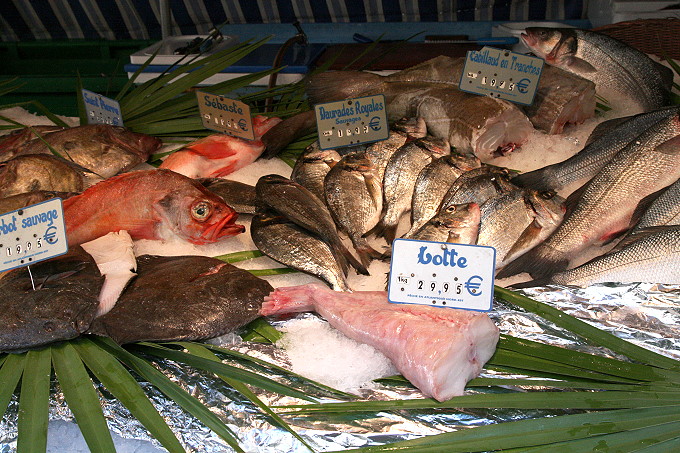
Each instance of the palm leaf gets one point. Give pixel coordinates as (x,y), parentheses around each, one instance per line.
(81,397)
(10,374)
(34,402)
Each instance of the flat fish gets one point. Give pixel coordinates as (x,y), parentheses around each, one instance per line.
(11,143)
(62,306)
(437,350)
(182,298)
(21,200)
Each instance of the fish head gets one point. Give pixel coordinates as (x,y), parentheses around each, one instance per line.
(197,215)
(262,124)
(437,147)
(463,162)
(557,46)
(549,208)
(461,221)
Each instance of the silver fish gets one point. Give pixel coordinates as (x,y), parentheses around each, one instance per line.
(312,167)
(295,247)
(301,207)
(402,131)
(432,184)
(664,210)
(400,179)
(477,186)
(604,206)
(610,63)
(607,141)
(354,198)
(458,223)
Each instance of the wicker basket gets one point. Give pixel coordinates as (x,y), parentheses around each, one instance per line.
(660,37)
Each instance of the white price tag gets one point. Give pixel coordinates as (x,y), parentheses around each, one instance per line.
(442,274)
(101,110)
(352,122)
(31,234)
(502,74)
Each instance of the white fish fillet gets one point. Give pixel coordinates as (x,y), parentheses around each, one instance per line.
(116,261)
(438,349)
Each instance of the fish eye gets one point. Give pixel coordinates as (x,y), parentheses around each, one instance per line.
(451,209)
(201,210)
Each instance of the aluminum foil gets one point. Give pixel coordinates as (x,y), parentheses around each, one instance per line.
(645,314)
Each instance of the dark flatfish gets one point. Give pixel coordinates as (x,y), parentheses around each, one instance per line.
(21,200)
(11,143)
(240,196)
(183,298)
(62,306)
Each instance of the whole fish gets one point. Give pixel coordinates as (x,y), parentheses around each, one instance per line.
(652,255)
(433,182)
(402,131)
(604,207)
(477,186)
(609,63)
(149,204)
(11,143)
(237,195)
(219,154)
(438,350)
(458,223)
(21,200)
(400,177)
(33,172)
(354,197)
(289,244)
(103,149)
(606,142)
(61,307)
(664,210)
(183,298)
(312,166)
(301,207)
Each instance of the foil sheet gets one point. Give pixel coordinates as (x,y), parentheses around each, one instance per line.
(645,314)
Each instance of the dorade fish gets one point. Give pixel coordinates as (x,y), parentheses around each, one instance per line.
(610,63)
(457,223)
(149,204)
(312,166)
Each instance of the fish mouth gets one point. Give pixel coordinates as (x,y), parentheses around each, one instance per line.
(529,39)
(219,230)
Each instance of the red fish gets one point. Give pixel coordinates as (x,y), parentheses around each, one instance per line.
(219,154)
(147,204)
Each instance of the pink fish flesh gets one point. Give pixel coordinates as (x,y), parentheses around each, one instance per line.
(437,349)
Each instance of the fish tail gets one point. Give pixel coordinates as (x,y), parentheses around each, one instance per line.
(539,262)
(330,86)
(384,229)
(538,180)
(291,299)
(285,132)
(366,252)
(351,260)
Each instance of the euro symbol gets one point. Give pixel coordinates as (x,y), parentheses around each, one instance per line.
(51,235)
(242,124)
(473,284)
(523,85)
(375,123)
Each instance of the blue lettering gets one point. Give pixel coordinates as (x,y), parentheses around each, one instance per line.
(447,258)
(7,228)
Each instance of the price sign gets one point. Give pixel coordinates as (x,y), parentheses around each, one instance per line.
(352,122)
(442,274)
(502,74)
(101,110)
(31,234)
(225,115)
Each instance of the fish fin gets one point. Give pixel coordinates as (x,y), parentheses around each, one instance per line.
(524,239)
(330,86)
(540,180)
(287,131)
(637,235)
(579,65)
(352,261)
(382,229)
(365,251)
(290,299)
(531,283)
(539,262)
(573,199)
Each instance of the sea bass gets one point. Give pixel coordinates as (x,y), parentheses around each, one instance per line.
(149,204)
(438,350)
(609,63)
(103,149)
(219,154)
(604,206)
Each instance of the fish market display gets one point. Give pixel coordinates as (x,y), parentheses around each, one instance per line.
(312,166)
(289,244)
(457,223)
(354,198)
(399,180)
(664,210)
(183,298)
(33,172)
(438,350)
(149,204)
(103,149)
(116,262)
(607,140)
(300,206)
(432,184)
(606,204)
(61,307)
(21,200)
(219,154)
(237,195)
(651,255)
(606,61)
